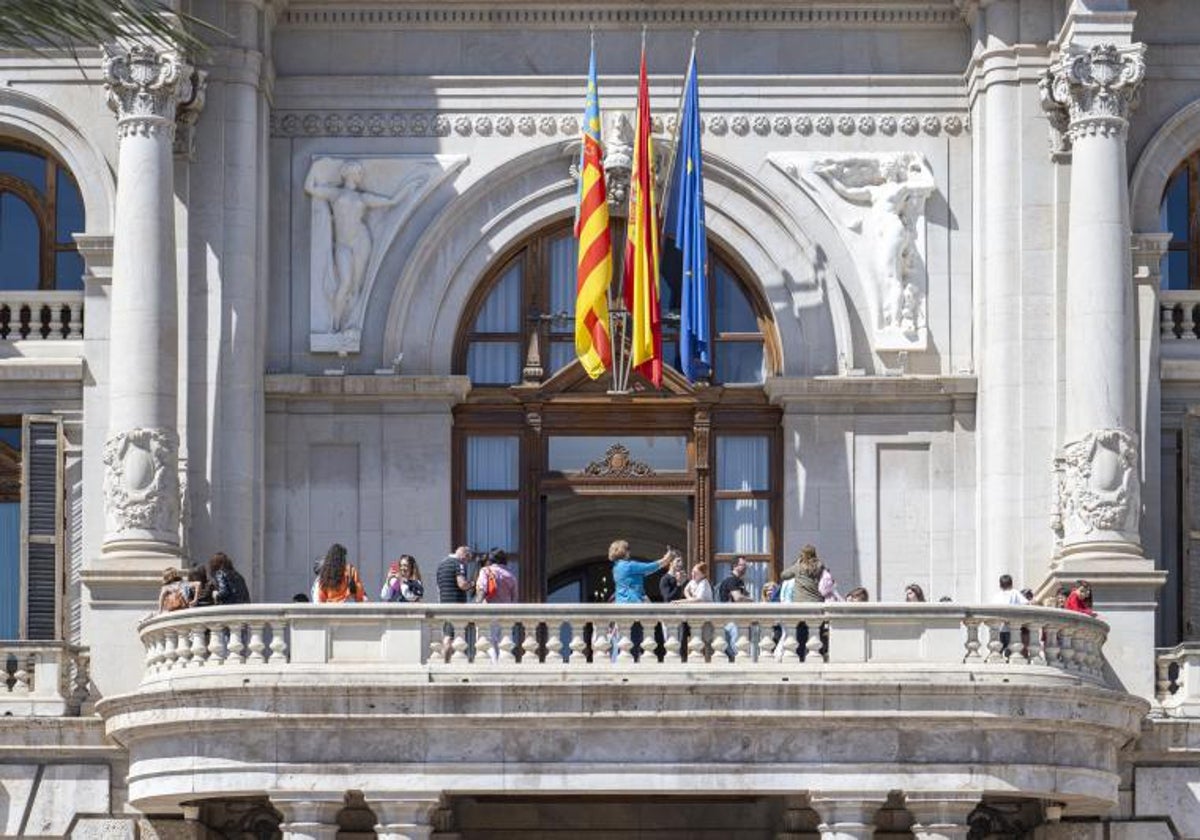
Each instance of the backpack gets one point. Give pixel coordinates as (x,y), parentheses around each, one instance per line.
(489,591)
(174,600)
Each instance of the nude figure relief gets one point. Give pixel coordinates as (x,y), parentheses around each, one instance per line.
(358,209)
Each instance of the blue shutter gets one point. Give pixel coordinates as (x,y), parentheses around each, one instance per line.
(42,509)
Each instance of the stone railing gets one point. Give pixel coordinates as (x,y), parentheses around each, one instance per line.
(1178,680)
(52,316)
(43,679)
(1179,315)
(524,641)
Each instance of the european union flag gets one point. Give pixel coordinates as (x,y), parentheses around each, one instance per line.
(685,242)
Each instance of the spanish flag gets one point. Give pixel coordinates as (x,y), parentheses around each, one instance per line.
(641,246)
(594,266)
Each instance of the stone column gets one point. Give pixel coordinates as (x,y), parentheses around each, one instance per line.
(1089,93)
(145,86)
(407,818)
(1099,484)
(847,816)
(941,816)
(308,816)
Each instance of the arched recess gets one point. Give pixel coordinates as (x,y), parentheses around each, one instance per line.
(1178,138)
(35,121)
(799,278)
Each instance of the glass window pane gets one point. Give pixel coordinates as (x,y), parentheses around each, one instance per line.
(740,361)
(1175,271)
(734,313)
(501,311)
(661,453)
(492,523)
(68,208)
(1173,211)
(758,572)
(68,271)
(20,244)
(562,353)
(743,526)
(492,463)
(494,362)
(563,253)
(27,166)
(743,463)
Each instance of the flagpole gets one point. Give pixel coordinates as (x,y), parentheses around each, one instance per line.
(666,191)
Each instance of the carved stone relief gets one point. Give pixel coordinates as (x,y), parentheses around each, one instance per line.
(1097,487)
(358,207)
(141,484)
(145,86)
(1092,91)
(618,463)
(879,201)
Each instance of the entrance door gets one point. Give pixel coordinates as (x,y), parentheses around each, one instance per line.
(579,528)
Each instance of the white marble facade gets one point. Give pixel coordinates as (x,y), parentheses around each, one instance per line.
(280,250)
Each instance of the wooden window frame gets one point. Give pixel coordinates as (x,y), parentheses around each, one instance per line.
(1190,166)
(44,207)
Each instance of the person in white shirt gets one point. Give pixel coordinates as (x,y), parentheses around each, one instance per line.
(1009,596)
(698,588)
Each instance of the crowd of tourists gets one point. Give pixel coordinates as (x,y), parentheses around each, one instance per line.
(337,580)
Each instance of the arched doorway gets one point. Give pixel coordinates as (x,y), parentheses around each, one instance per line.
(552,467)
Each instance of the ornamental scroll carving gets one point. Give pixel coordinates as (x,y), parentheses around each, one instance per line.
(618,463)
(879,200)
(359,206)
(1092,91)
(1097,487)
(141,483)
(149,88)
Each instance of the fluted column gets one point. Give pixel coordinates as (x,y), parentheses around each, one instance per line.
(1098,478)
(407,818)
(847,816)
(308,816)
(145,88)
(941,816)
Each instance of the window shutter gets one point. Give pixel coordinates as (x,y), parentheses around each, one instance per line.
(41,527)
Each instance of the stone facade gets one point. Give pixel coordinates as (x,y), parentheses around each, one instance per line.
(950,212)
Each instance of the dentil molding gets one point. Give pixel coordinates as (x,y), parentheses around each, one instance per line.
(402,123)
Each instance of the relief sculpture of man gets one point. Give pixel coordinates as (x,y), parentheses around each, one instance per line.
(894,189)
(349,203)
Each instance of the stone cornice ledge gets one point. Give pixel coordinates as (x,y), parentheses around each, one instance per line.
(67,368)
(891,388)
(301,386)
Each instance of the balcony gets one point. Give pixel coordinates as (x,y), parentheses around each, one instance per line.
(43,679)
(41,316)
(606,699)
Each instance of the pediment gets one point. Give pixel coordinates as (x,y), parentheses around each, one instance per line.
(572,379)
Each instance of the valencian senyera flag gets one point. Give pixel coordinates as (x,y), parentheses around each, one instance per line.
(594,265)
(641,246)
(685,240)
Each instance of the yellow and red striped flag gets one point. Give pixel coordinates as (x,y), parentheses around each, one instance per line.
(594,266)
(641,246)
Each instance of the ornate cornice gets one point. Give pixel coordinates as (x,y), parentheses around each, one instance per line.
(623,16)
(399,123)
(146,86)
(1091,92)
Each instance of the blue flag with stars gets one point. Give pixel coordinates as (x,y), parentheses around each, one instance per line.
(685,239)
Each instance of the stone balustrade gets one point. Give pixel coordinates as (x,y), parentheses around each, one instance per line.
(1179,315)
(528,639)
(43,679)
(1178,680)
(50,316)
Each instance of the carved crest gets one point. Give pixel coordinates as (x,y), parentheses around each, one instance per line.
(618,463)
(1097,484)
(141,482)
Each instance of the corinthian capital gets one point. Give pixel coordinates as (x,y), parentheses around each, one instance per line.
(145,86)
(1095,87)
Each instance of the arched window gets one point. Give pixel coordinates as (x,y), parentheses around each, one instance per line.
(40,207)
(524,315)
(1180,216)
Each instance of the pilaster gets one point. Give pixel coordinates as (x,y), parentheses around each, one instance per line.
(404,818)
(308,816)
(848,815)
(941,816)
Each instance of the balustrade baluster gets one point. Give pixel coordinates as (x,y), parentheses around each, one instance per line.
(994,644)
(766,644)
(75,326)
(173,652)
(256,644)
(602,645)
(578,645)
(236,649)
(972,645)
(1034,651)
(1066,640)
(458,647)
(199,647)
(554,655)
(1016,645)
(695,646)
(791,644)
(671,654)
(1189,321)
(437,650)
(625,650)
(1162,685)
(23,676)
(153,642)
(184,647)
(279,643)
(812,647)
(719,646)
(529,646)
(1167,321)
(80,679)
(506,646)
(216,644)
(483,647)
(1053,648)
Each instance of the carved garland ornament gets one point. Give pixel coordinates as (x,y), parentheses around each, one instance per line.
(1096,481)
(618,463)
(430,124)
(141,482)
